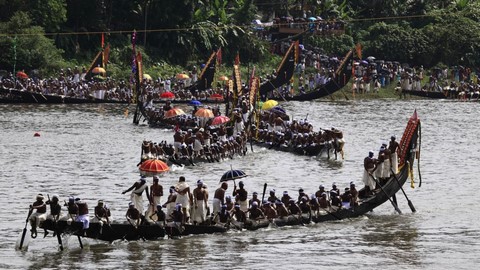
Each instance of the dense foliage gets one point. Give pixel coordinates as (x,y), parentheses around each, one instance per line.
(184,32)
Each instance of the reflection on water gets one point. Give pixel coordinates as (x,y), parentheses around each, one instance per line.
(90,151)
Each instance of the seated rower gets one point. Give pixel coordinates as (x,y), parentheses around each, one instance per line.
(301,195)
(285,198)
(40,214)
(255,212)
(133,215)
(346,198)
(55,212)
(336,203)
(293,208)
(159,216)
(335,189)
(224,215)
(229,203)
(82,213)
(323,202)
(272,198)
(304,206)
(314,205)
(238,214)
(177,218)
(269,211)
(282,211)
(321,189)
(72,209)
(354,195)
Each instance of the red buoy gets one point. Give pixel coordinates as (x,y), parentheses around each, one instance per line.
(36,134)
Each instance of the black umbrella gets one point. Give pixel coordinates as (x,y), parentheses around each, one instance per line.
(233,175)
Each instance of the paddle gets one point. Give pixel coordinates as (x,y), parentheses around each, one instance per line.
(24,233)
(410,204)
(264,190)
(171,159)
(136,230)
(388,197)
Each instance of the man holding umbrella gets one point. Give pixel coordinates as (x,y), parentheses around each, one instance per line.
(241,196)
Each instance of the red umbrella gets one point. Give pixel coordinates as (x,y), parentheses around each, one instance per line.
(167,95)
(151,167)
(220,120)
(174,112)
(216,97)
(202,112)
(22,75)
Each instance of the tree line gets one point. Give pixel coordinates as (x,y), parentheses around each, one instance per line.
(50,34)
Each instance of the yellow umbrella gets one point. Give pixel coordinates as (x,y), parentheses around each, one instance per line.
(98,70)
(223,78)
(269,104)
(206,113)
(147,77)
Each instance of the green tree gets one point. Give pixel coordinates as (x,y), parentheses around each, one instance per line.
(49,14)
(34,50)
(397,42)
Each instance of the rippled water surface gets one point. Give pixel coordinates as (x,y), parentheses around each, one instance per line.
(90,151)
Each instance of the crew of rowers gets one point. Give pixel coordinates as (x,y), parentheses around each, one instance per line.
(187,205)
(275,130)
(379,169)
(199,144)
(77,210)
(184,205)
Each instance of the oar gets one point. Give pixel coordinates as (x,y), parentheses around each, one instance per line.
(171,159)
(388,197)
(24,233)
(136,230)
(410,204)
(264,189)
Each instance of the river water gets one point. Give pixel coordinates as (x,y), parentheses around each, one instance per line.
(90,151)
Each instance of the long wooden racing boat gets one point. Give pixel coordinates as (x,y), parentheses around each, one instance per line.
(426,94)
(23,96)
(285,73)
(341,78)
(407,152)
(307,150)
(445,94)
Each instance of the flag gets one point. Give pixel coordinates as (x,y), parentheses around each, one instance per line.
(237,59)
(106,55)
(219,57)
(358,48)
